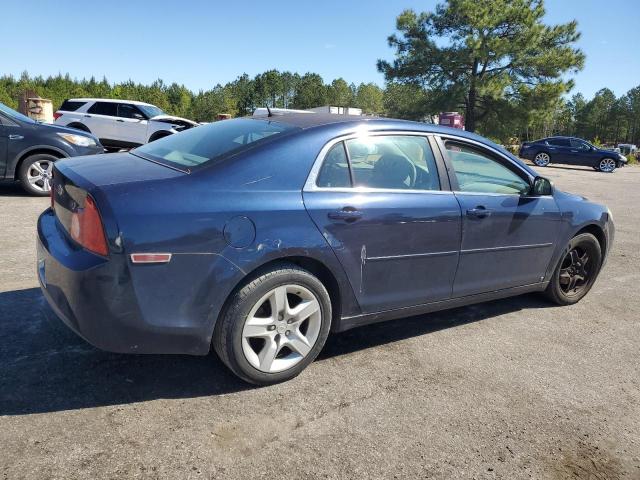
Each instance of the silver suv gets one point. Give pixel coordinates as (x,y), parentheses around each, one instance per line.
(119,123)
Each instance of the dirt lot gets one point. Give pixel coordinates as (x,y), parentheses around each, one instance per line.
(508,389)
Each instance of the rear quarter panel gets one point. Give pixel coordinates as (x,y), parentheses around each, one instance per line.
(188,216)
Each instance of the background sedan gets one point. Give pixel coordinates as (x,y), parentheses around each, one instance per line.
(571,151)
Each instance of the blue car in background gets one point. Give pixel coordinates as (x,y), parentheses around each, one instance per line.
(571,151)
(259,236)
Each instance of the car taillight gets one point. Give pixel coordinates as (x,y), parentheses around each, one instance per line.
(56,115)
(86,228)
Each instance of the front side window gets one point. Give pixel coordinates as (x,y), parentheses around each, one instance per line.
(203,144)
(579,144)
(478,172)
(128,111)
(151,110)
(399,162)
(11,113)
(104,108)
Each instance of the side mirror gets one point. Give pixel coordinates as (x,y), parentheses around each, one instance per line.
(138,116)
(541,186)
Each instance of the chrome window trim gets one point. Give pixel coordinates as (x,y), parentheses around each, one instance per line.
(310,184)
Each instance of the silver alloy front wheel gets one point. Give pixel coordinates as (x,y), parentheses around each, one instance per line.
(542,159)
(39,175)
(281,328)
(607,165)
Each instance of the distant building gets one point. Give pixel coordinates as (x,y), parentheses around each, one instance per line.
(451,119)
(337,110)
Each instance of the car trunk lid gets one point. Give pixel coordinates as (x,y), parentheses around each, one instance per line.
(77,178)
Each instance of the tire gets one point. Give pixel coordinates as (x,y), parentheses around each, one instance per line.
(559,289)
(35,173)
(79,126)
(158,136)
(607,165)
(264,347)
(542,159)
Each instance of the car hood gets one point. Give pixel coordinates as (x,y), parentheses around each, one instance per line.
(171,118)
(60,129)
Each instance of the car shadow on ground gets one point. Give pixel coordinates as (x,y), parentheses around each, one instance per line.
(44,367)
(10,188)
(561,166)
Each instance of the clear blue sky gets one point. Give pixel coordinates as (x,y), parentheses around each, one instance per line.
(201,43)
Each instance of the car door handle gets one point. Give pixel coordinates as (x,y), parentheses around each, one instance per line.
(87,116)
(479,212)
(347,214)
(15,137)
(119,120)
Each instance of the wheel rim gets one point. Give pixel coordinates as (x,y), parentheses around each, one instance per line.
(39,175)
(542,160)
(281,328)
(607,165)
(575,271)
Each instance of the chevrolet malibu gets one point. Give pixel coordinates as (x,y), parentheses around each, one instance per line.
(259,236)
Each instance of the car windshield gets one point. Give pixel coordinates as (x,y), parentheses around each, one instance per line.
(201,145)
(11,113)
(151,110)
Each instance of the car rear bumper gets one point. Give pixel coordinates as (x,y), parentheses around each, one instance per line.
(96,298)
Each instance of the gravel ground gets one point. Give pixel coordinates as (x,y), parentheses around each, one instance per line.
(511,389)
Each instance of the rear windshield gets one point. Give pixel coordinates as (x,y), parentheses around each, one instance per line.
(71,106)
(200,145)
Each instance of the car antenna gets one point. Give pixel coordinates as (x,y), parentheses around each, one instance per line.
(269,110)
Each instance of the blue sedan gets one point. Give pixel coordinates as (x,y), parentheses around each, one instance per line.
(571,151)
(260,236)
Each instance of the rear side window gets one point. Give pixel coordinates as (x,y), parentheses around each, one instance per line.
(104,108)
(575,143)
(203,144)
(69,106)
(335,169)
(558,142)
(399,162)
(126,110)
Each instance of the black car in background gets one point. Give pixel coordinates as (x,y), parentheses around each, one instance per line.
(571,151)
(28,149)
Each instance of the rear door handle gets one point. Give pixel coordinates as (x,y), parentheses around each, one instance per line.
(119,120)
(347,214)
(87,116)
(15,137)
(479,212)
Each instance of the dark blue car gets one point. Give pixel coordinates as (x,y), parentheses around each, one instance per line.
(571,151)
(261,235)
(28,149)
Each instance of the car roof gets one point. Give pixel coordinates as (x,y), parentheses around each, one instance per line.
(108,100)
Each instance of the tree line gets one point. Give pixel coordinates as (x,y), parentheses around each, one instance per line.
(497,61)
(237,98)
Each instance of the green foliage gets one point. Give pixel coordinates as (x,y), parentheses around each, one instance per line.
(483,57)
(240,97)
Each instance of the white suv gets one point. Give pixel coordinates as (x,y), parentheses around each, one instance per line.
(119,123)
